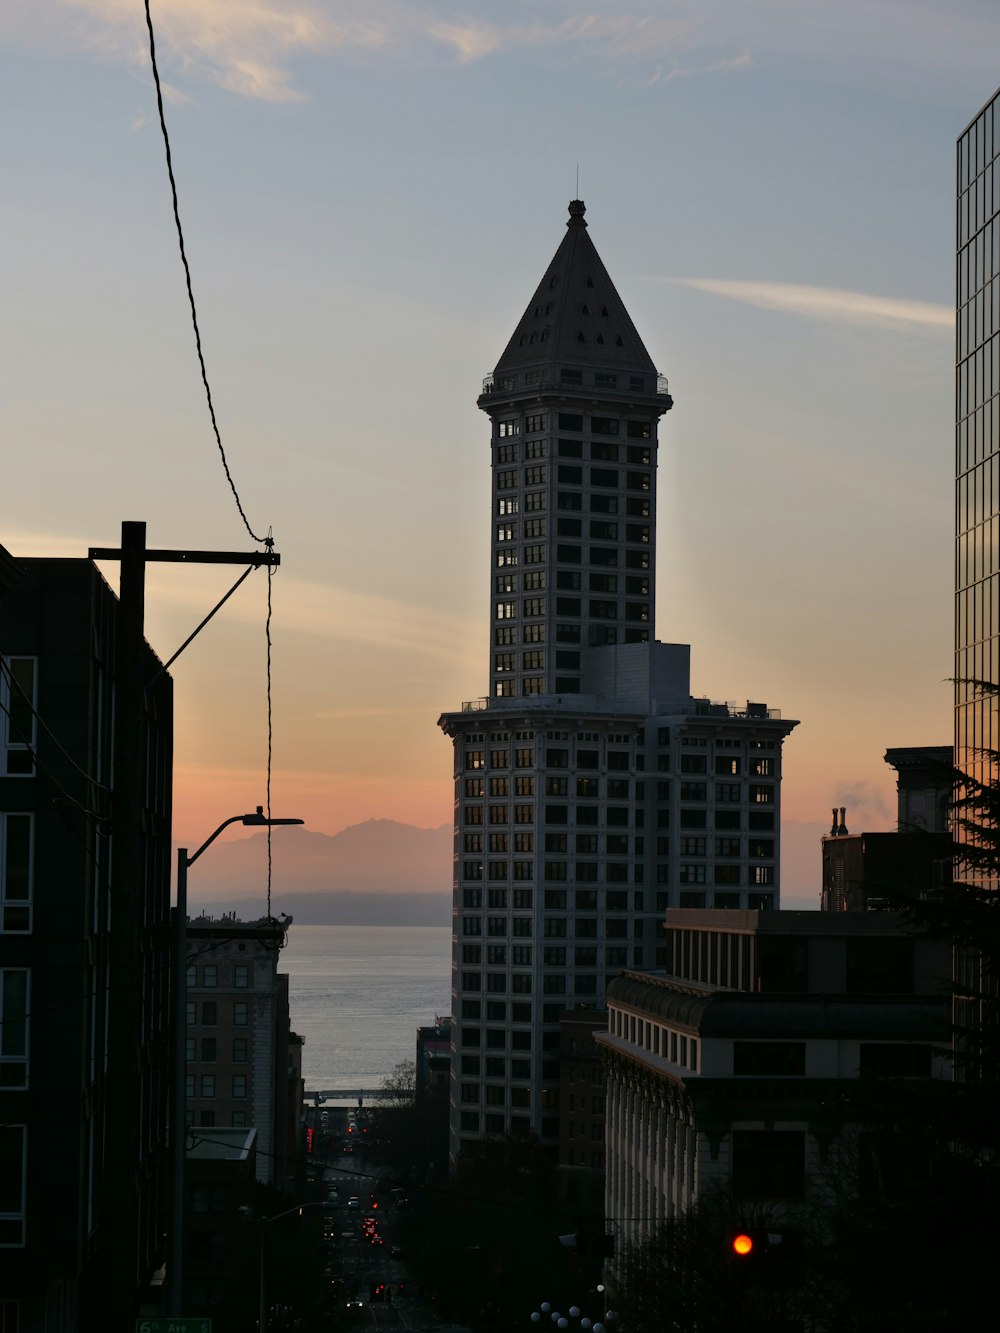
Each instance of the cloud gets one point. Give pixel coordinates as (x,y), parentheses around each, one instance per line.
(832,304)
(250,47)
(246,47)
(619,37)
(419,631)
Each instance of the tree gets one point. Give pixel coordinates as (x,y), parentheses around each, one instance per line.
(399,1088)
(487,1244)
(965,912)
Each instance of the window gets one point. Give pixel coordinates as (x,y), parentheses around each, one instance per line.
(18,687)
(207,1085)
(761,793)
(895,1059)
(241,976)
(13,1181)
(209,1014)
(240,1050)
(508,428)
(880,966)
(208,1050)
(239,1086)
(16,844)
(240,1014)
(13,1027)
(781,1058)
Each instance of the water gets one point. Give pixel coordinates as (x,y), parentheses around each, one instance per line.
(357,995)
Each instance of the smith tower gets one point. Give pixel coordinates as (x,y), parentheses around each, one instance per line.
(592,790)
(574,403)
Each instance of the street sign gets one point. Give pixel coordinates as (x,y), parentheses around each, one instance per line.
(197,1324)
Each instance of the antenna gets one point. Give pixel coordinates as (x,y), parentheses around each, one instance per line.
(577,195)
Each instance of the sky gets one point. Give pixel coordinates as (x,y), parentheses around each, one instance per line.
(370,191)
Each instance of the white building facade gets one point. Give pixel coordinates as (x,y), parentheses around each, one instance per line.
(733,1066)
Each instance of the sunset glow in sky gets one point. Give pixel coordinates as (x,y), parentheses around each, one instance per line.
(370,190)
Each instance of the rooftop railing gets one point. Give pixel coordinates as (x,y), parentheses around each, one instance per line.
(751,712)
(532,380)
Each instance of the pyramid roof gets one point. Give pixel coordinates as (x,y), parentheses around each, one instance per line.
(576,316)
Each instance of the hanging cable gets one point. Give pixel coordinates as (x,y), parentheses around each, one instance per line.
(264,541)
(267,635)
(267,541)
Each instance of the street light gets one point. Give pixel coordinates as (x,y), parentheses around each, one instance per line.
(561,1321)
(178,1135)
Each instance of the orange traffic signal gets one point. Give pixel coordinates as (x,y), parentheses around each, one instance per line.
(742,1244)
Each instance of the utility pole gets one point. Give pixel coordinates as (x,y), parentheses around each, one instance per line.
(120,1225)
(118,1265)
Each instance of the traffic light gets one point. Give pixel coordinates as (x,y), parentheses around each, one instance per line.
(742,1245)
(309,1138)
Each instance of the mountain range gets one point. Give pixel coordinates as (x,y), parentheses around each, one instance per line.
(385,873)
(376,873)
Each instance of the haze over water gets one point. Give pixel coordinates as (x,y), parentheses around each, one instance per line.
(357,995)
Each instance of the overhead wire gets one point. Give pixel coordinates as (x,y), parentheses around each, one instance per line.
(268,541)
(263,541)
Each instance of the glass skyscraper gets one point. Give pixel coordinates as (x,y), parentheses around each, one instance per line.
(977,441)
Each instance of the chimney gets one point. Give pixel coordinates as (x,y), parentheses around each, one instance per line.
(843,823)
(833,827)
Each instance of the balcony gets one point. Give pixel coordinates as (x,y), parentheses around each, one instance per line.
(536,381)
